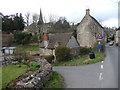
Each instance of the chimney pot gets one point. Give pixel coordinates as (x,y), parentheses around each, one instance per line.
(87,11)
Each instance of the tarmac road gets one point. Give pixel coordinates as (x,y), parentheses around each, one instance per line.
(99,75)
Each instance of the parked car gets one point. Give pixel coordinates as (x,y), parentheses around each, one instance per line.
(111,43)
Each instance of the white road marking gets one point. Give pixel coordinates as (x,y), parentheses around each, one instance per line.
(102,61)
(100,77)
(101,66)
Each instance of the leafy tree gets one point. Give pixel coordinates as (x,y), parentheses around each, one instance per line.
(58,25)
(12,22)
(75,33)
(113,37)
(61,25)
(7,24)
(66,24)
(19,22)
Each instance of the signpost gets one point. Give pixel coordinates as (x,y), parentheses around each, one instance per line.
(99,36)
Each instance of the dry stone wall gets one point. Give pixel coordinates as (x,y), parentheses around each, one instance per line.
(38,78)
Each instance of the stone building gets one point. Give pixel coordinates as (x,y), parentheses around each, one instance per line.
(87,30)
(51,41)
(117,37)
(37,27)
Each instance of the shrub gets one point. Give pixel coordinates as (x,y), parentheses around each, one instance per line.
(84,51)
(63,53)
(49,58)
(22,38)
(34,38)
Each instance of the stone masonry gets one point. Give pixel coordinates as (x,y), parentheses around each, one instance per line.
(38,78)
(87,30)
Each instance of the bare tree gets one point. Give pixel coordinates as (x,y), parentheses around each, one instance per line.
(44,19)
(27,15)
(35,18)
(53,18)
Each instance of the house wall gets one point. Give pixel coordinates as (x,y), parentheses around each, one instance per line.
(119,42)
(117,37)
(86,32)
(72,43)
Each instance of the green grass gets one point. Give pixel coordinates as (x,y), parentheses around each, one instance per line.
(11,72)
(74,62)
(80,61)
(55,81)
(29,48)
(99,57)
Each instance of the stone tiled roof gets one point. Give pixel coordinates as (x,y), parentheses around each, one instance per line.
(60,38)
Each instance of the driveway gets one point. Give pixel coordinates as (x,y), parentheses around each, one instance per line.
(99,75)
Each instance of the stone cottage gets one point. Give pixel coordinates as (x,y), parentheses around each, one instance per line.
(87,30)
(51,41)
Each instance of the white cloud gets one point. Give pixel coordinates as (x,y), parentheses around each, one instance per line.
(73,10)
(112,22)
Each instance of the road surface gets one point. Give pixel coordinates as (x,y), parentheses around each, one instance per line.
(99,75)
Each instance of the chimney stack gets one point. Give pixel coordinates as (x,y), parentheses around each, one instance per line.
(87,11)
(45,35)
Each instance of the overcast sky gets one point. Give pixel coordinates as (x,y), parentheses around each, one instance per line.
(105,11)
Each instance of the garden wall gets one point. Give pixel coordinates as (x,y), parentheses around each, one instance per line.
(38,78)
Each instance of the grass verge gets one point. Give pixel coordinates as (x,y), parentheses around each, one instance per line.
(29,48)
(83,61)
(11,72)
(55,81)
(0,78)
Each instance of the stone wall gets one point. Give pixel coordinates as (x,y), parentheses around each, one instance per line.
(7,60)
(45,51)
(38,78)
(33,52)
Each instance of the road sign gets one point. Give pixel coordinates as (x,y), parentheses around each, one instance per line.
(99,36)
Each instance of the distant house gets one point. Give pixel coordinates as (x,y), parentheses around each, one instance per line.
(36,29)
(51,41)
(117,37)
(32,28)
(88,30)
